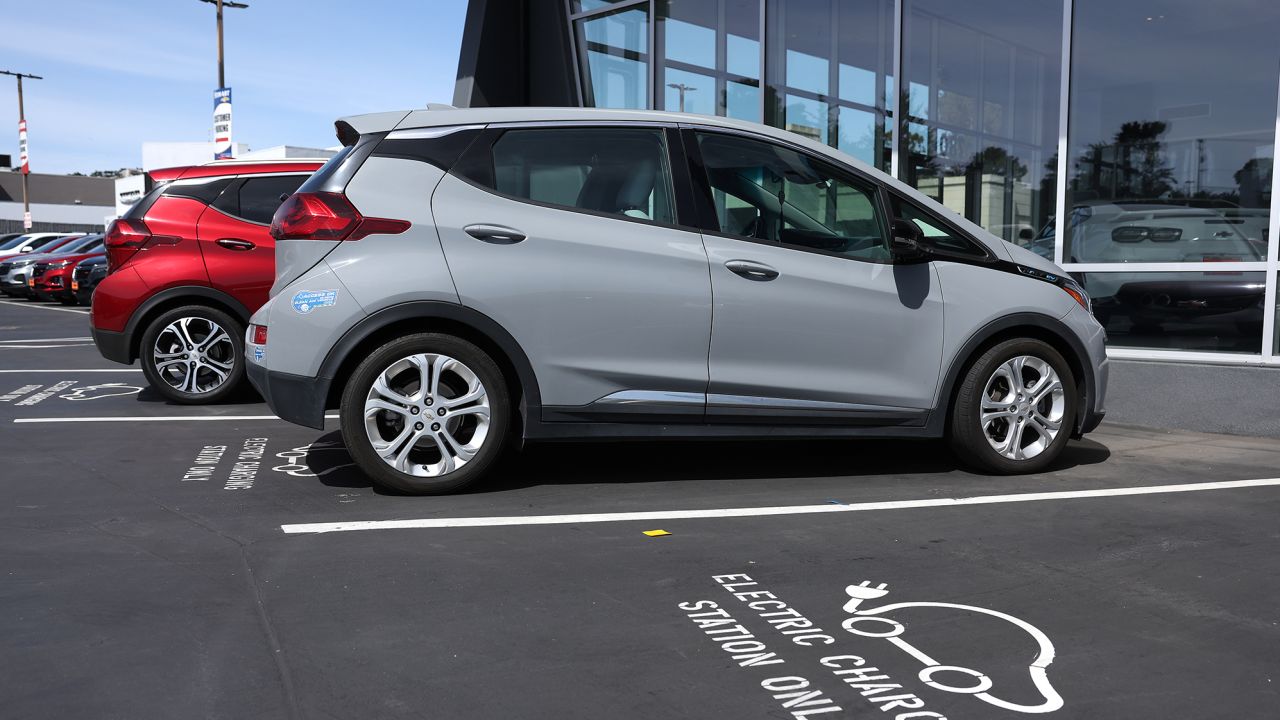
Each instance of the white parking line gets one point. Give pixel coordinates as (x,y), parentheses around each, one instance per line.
(69,372)
(153,418)
(502,521)
(45,307)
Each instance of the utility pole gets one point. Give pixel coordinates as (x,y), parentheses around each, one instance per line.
(223,144)
(222,80)
(22,137)
(682,89)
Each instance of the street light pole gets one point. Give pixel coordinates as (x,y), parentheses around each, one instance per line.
(682,89)
(22,123)
(222,80)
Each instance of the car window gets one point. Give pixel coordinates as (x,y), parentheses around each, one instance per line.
(41,242)
(85,244)
(13,242)
(938,233)
(616,171)
(764,191)
(260,196)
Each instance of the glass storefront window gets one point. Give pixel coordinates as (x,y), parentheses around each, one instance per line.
(709,57)
(1173,116)
(829,73)
(614,49)
(1202,311)
(982,109)
(589,5)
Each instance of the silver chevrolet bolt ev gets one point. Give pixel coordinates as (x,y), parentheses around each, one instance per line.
(457,281)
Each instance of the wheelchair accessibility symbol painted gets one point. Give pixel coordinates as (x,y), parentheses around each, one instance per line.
(875,623)
(308,300)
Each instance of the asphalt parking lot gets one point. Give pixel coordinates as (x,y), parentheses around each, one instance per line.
(170,561)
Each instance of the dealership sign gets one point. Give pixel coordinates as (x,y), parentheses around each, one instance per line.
(129,190)
(222,148)
(22,147)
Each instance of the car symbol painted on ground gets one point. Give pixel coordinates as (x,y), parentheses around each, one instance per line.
(874,623)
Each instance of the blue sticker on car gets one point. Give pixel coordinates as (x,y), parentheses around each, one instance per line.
(308,300)
(259,353)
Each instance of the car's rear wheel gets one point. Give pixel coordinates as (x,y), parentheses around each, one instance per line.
(426,414)
(1015,408)
(193,355)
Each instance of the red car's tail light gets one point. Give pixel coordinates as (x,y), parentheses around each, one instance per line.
(327,216)
(123,239)
(258,334)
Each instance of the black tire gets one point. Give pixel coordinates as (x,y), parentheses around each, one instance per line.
(361,381)
(201,314)
(969,439)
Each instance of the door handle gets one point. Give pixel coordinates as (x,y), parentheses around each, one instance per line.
(752,270)
(235,244)
(497,234)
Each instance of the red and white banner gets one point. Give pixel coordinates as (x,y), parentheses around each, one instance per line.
(22,147)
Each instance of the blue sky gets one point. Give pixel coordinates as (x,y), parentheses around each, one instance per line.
(121,72)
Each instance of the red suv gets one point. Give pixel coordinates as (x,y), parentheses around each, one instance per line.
(188,264)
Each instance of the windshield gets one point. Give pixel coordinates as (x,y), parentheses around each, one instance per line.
(84,244)
(13,242)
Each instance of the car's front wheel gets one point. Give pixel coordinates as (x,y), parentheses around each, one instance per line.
(426,414)
(193,355)
(1015,408)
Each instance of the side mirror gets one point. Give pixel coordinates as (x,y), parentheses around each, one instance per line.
(908,241)
(1026,234)
(27,249)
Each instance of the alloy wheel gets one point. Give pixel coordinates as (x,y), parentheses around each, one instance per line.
(1023,405)
(427,415)
(194,355)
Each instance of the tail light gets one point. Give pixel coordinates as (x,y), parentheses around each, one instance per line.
(123,239)
(258,334)
(327,216)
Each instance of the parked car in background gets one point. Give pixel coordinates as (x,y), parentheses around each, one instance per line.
(31,242)
(15,271)
(187,265)
(86,276)
(457,280)
(1159,231)
(7,237)
(51,277)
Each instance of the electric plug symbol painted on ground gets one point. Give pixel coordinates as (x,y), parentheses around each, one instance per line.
(863,592)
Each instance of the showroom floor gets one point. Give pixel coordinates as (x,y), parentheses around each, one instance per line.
(214,562)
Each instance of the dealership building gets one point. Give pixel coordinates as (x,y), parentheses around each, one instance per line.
(1132,142)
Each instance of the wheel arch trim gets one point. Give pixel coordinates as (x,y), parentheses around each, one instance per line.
(968,352)
(174,295)
(482,324)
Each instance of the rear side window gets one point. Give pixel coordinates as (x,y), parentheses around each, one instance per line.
(260,196)
(614,171)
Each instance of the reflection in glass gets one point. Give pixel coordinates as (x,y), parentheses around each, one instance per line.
(709,57)
(1156,123)
(982,106)
(830,63)
(1204,311)
(742,101)
(615,47)
(690,92)
(589,5)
